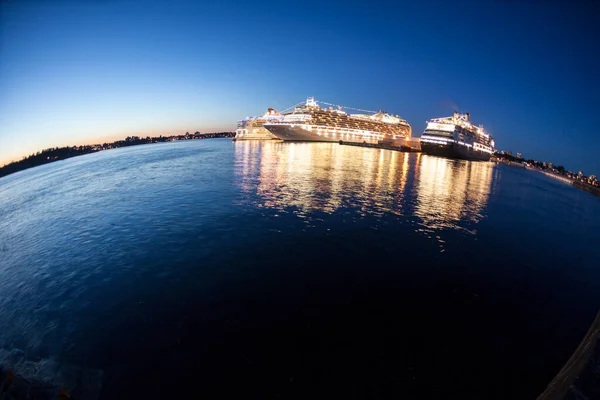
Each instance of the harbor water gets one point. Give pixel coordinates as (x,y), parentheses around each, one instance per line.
(297,270)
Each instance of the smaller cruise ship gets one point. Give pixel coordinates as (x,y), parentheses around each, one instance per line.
(252,128)
(457,137)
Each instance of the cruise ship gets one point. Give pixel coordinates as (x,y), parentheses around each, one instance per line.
(457,137)
(252,128)
(311,122)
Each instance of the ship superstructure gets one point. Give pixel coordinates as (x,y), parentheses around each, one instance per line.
(457,137)
(252,128)
(311,122)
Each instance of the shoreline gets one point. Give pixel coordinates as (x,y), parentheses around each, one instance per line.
(51,155)
(573,182)
(586,187)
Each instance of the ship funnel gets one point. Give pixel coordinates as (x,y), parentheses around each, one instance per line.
(468,117)
(455,114)
(310,101)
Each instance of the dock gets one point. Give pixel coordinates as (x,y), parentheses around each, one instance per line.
(385,146)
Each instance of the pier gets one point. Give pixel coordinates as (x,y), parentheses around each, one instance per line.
(385,146)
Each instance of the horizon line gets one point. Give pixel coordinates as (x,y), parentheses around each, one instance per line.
(108,139)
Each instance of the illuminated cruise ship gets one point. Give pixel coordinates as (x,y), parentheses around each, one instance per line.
(311,122)
(252,127)
(457,137)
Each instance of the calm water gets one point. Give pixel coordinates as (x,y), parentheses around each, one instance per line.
(279,270)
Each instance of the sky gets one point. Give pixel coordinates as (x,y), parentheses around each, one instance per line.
(78,72)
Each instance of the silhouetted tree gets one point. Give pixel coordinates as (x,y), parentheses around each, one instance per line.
(55,153)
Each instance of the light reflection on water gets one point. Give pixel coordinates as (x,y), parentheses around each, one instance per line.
(451,191)
(305,177)
(148,256)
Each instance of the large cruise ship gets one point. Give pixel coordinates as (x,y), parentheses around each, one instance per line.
(311,122)
(251,128)
(457,137)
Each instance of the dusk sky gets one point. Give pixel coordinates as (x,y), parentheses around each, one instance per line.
(76,72)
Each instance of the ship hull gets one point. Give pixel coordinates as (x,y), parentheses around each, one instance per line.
(254,134)
(297,133)
(254,137)
(453,150)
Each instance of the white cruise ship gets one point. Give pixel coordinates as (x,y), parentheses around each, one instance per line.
(311,122)
(457,137)
(252,128)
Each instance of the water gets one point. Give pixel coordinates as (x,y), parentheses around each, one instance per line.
(277,270)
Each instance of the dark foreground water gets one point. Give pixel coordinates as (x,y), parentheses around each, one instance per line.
(283,270)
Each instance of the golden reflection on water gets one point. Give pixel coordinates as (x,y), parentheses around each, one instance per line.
(307,177)
(322,177)
(450,191)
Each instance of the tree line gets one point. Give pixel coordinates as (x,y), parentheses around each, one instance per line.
(52,154)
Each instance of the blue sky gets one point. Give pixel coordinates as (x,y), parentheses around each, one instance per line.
(75,72)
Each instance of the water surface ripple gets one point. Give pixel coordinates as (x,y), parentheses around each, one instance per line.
(278,270)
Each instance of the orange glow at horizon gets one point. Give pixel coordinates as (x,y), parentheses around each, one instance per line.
(7,157)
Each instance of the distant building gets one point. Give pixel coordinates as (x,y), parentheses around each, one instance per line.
(580,174)
(550,165)
(519,155)
(509,153)
(545,164)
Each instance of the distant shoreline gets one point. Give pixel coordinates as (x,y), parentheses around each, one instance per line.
(51,155)
(569,181)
